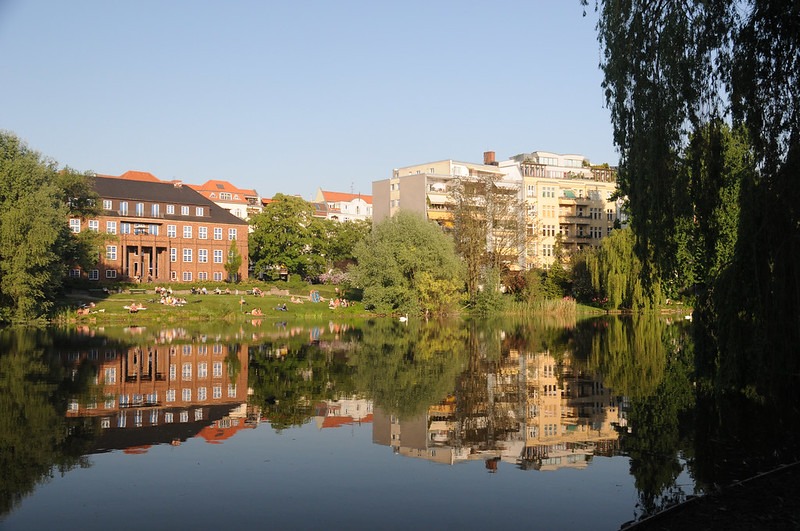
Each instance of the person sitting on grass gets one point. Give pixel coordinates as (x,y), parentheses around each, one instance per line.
(282,308)
(256,311)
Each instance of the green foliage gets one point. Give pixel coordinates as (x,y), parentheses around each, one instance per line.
(489,300)
(675,74)
(36,245)
(233,263)
(617,274)
(407,265)
(342,239)
(286,234)
(406,369)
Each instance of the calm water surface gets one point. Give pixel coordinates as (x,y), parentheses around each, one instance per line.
(348,425)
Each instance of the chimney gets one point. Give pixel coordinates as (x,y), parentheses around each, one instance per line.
(488,158)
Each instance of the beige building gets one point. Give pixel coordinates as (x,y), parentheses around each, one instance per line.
(424,188)
(341,206)
(564,195)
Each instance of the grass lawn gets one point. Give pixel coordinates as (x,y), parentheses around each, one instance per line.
(111,308)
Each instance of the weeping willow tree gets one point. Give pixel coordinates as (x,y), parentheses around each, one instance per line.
(616,272)
(676,75)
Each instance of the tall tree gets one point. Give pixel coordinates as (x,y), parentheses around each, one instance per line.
(36,244)
(673,70)
(488,226)
(286,234)
(407,264)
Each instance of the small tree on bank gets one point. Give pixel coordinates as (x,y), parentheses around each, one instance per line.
(407,264)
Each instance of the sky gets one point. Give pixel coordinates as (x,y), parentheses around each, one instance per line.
(291,96)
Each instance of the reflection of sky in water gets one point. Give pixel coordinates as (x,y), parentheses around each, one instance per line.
(305,478)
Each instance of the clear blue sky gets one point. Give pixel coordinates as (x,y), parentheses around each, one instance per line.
(293,95)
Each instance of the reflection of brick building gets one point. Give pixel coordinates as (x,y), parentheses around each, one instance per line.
(161,231)
(147,386)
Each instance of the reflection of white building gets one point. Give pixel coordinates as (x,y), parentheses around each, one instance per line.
(342,412)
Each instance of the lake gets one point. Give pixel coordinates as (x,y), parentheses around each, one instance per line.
(374,424)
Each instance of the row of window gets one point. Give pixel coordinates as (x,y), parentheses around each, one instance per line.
(155,209)
(186,276)
(151,229)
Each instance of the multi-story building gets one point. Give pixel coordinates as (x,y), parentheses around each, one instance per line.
(424,188)
(340,206)
(240,202)
(159,231)
(566,196)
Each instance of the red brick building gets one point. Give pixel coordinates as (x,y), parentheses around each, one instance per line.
(159,231)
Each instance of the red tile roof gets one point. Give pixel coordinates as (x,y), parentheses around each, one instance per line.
(341,197)
(139,176)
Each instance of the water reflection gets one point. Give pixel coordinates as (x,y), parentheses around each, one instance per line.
(528,395)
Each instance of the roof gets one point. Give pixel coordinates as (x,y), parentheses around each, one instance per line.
(216,186)
(341,197)
(165,193)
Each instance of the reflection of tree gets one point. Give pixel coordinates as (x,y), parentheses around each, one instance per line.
(286,385)
(628,352)
(405,369)
(659,435)
(35,438)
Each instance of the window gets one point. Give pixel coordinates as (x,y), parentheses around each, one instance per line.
(153,228)
(217,233)
(198,211)
(110,376)
(75,225)
(202,275)
(202,256)
(173,275)
(170,209)
(111,252)
(201,393)
(231,234)
(187,231)
(170,396)
(172,231)
(184,416)
(217,256)
(94,274)
(202,233)
(187,276)
(173,254)
(74,273)
(186,396)
(216,391)
(124,228)
(202,370)
(217,369)
(94,225)
(184,210)
(217,276)
(173,369)
(186,372)
(140,209)
(111,273)
(123,208)
(231,390)
(111,227)
(187,255)
(107,204)
(155,210)
(225,196)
